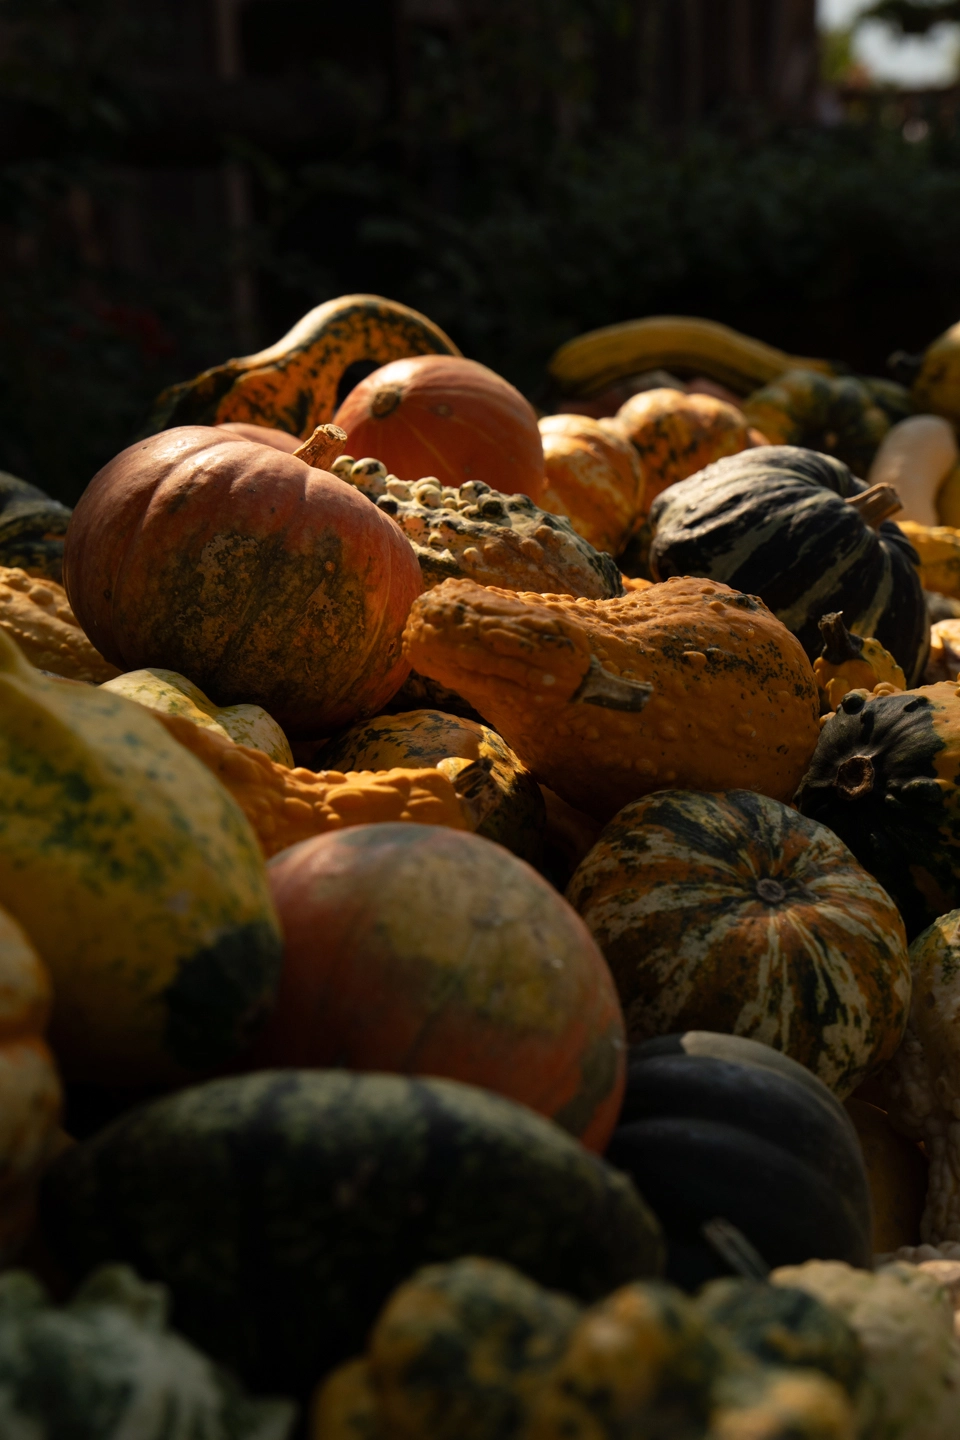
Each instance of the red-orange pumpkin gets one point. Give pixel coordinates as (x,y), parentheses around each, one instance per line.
(451,957)
(262,434)
(261,579)
(445,416)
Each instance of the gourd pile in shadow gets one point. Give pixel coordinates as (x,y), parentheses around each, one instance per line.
(480,901)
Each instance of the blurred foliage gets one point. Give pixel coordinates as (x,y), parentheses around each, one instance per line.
(497,203)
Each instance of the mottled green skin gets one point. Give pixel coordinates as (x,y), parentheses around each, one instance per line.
(32,527)
(105,1367)
(782,1326)
(282,1208)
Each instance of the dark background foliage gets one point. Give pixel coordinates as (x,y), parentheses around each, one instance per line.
(475,173)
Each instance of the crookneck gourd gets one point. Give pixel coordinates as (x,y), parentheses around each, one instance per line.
(687,684)
(848,662)
(731,912)
(451,744)
(137,878)
(298,383)
(32,527)
(173,694)
(479,534)
(36,614)
(285,805)
(885,777)
(796,528)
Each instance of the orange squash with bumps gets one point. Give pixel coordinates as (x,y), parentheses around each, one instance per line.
(676,434)
(593,478)
(687,684)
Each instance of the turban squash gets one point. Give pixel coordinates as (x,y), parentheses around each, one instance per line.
(797,529)
(731,912)
(686,684)
(885,777)
(509,993)
(264,580)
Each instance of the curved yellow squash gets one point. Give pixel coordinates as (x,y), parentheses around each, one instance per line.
(293,384)
(174,694)
(138,879)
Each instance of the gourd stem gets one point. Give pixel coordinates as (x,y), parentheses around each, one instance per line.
(323,447)
(838,644)
(855,777)
(611,692)
(876,504)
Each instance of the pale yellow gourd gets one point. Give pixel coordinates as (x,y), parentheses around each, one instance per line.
(173,694)
(915,457)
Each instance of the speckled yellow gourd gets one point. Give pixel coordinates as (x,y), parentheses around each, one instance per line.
(137,878)
(938,547)
(174,694)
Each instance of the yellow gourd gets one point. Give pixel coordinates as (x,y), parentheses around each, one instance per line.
(37,615)
(938,547)
(173,694)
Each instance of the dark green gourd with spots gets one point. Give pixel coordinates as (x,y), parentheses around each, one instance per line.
(282,1208)
(796,528)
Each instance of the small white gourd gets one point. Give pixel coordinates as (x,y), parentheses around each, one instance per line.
(915,457)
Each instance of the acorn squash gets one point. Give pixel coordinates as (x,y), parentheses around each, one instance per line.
(136,877)
(173,694)
(282,1208)
(731,912)
(684,684)
(430,738)
(717,1125)
(838,416)
(797,529)
(297,383)
(885,777)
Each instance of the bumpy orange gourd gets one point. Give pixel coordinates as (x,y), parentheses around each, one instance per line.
(687,684)
(676,434)
(848,662)
(593,478)
(37,615)
(285,806)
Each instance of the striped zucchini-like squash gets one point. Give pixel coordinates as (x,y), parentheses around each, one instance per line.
(138,880)
(731,912)
(294,385)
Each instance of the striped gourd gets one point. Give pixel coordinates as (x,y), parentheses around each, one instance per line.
(731,912)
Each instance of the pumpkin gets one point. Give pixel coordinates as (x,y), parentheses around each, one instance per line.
(282,1208)
(795,528)
(509,993)
(718,1125)
(593,478)
(449,417)
(938,550)
(297,383)
(477,533)
(834,415)
(885,777)
(676,434)
(459,1351)
(36,614)
(136,877)
(263,435)
(916,457)
(285,806)
(897,1171)
(431,738)
(32,527)
(105,1366)
(173,694)
(848,662)
(685,684)
(29,1087)
(731,912)
(937,385)
(263,580)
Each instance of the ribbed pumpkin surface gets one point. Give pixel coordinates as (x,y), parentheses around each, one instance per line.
(733,913)
(448,417)
(676,435)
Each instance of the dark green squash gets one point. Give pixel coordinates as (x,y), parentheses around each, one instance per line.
(716,1126)
(32,527)
(786,524)
(885,776)
(282,1208)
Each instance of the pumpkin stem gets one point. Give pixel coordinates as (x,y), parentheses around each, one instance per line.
(855,777)
(838,643)
(876,504)
(323,447)
(612,692)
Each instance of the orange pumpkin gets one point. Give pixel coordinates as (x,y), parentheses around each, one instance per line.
(260,578)
(262,434)
(428,952)
(593,478)
(676,434)
(447,417)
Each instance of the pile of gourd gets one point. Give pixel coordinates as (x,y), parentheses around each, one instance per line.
(480,901)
